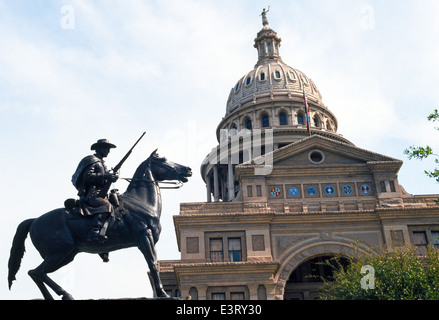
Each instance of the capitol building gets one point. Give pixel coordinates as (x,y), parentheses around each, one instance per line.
(285,191)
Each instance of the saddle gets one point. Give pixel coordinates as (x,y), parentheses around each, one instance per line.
(77,208)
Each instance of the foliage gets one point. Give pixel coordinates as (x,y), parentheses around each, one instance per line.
(399,275)
(424,152)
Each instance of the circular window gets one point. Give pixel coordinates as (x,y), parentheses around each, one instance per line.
(312,191)
(329,190)
(275,192)
(347,189)
(316,157)
(365,189)
(293,191)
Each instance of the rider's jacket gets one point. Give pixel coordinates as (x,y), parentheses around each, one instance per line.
(89,179)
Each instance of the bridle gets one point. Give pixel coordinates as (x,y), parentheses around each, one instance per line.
(176,184)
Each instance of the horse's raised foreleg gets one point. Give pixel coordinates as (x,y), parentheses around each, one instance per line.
(146,245)
(51,264)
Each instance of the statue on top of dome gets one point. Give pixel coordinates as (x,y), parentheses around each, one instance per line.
(264,16)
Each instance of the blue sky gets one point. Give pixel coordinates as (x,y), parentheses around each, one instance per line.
(166,67)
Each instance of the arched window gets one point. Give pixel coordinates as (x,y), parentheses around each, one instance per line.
(237,87)
(248,124)
(233,129)
(328,126)
(300,119)
(262,76)
(283,118)
(292,75)
(316,121)
(265,121)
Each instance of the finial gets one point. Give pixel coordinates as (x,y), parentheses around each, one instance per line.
(264,16)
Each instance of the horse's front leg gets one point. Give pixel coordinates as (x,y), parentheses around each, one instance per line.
(146,245)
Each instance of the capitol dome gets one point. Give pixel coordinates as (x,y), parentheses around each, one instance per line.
(271,95)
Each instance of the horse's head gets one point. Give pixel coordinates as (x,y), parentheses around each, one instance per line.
(162,169)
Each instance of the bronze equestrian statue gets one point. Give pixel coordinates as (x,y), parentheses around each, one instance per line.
(61,234)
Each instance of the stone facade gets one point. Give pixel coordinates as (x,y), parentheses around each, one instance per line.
(320,195)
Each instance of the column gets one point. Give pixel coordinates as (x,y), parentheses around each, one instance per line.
(208,188)
(231,181)
(215,184)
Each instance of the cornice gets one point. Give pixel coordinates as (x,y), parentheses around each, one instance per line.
(225,267)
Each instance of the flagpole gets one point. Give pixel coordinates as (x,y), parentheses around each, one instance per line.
(307,117)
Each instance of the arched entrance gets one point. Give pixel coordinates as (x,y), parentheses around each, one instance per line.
(305,281)
(305,252)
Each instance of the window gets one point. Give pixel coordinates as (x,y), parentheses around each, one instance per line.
(265,121)
(248,123)
(225,246)
(423,236)
(300,119)
(235,252)
(312,191)
(383,186)
(292,75)
(347,189)
(269,47)
(328,126)
(248,81)
(316,121)
(262,76)
(237,87)
(236,295)
(329,190)
(218,296)
(249,191)
(316,156)
(392,186)
(305,80)
(283,118)
(277,74)
(420,242)
(365,189)
(228,293)
(259,191)
(216,250)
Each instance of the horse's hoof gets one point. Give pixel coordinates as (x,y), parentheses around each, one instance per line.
(67,297)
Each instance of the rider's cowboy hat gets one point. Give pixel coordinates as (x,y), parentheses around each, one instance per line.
(102,142)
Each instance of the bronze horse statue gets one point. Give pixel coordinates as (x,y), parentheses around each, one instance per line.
(59,235)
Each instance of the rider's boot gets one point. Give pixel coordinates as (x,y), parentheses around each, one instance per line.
(94,234)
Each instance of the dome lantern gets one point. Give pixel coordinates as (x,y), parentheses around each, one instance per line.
(267,42)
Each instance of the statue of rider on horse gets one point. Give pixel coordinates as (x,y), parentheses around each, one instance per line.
(98,223)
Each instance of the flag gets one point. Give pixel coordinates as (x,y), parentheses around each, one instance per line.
(308,121)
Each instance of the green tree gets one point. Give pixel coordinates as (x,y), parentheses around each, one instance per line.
(425,152)
(398,275)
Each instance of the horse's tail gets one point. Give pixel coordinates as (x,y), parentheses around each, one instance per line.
(18,249)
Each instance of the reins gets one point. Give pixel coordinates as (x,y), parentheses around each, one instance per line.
(177,184)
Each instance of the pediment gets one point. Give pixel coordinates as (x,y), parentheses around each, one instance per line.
(305,153)
(317,150)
